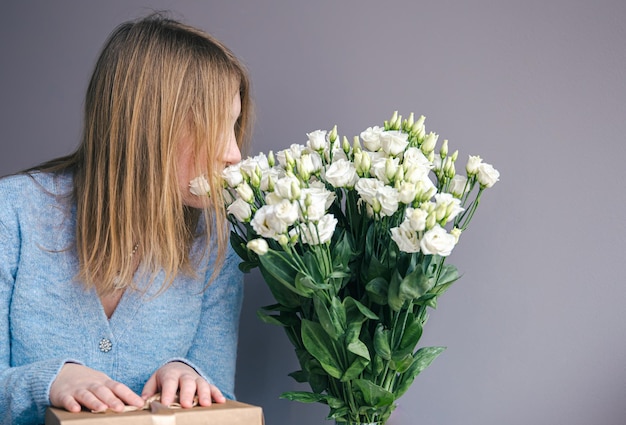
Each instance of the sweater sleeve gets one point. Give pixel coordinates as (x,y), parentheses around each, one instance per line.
(23,390)
(213,353)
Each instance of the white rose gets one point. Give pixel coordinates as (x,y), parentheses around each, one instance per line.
(437,163)
(374,156)
(286,212)
(367,188)
(258,246)
(393,142)
(387,196)
(487,175)
(232,175)
(406,239)
(407,192)
(269,177)
(472,165)
(318,191)
(456,232)
(249,165)
(413,157)
(305,166)
(261,224)
(414,173)
(199,186)
(311,209)
(338,154)
(378,169)
(316,234)
(385,169)
(451,205)
(314,202)
(371,138)
(294,151)
(285,186)
(317,140)
(416,219)
(458,185)
(426,189)
(316,161)
(241,210)
(428,145)
(273,198)
(341,173)
(437,241)
(271,221)
(245,192)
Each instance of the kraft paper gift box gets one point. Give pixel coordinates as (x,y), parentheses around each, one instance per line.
(229,413)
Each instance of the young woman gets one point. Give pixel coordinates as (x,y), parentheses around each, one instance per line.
(116,281)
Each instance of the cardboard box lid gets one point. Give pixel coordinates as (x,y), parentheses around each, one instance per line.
(229,413)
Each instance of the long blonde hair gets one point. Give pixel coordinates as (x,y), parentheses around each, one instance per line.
(155,79)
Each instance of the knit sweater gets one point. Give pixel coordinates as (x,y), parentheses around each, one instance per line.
(47,318)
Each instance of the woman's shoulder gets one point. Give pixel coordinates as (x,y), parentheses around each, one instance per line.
(36,182)
(33,188)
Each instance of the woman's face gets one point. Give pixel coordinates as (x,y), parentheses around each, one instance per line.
(186,160)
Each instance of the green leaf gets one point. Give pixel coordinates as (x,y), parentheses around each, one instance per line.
(410,337)
(377,366)
(414,285)
(338,311)
(246,266)
(353,344)
(279,265)
(313,267)
(279,307)
(377,290)
(328,320)
(395,299)
(359,348)
(279,276)
(340,412)
(381,342)
(355,369)
(282,294)
(373,395)
(299,376)
(304,397)
(421,360)
(350,304)
(304,285)
(239,245)
(449,274)
(342,252)
(402,364)
(316,342)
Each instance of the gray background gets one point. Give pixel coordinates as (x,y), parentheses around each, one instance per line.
(536,329)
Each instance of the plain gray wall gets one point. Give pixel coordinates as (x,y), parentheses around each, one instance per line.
(536,328)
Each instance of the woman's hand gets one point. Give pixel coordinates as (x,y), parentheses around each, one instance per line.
(77,385)
(178,377)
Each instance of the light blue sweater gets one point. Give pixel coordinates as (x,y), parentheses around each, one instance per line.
(47,318)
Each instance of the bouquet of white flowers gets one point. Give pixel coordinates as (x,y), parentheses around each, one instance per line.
(351,239)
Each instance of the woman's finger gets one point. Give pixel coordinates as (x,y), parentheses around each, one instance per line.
(217,395)
(125,394)
(108,397)
(90,400)
(187,391)
(169,387)
(204,392)
(70,404)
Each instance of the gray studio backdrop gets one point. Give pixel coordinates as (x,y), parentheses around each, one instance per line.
(536,328)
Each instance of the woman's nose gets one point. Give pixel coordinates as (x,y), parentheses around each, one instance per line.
(233,154)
